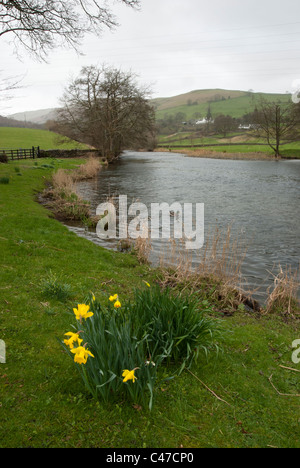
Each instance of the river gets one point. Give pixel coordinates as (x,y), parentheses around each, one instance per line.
(258,199)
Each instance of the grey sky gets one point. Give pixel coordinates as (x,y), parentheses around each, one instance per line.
(176,46)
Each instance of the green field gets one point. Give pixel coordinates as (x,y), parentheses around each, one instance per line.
(187,140)
(228,401)
(15,138)
(235,103)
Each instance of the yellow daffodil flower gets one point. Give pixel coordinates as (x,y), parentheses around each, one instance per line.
(82,312)
(81,354)
(74,337)
(147,284)
(129,375)
(113,298)
(117,304)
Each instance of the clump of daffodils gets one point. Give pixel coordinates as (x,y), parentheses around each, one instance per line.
(109,342)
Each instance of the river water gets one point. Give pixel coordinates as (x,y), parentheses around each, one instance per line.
(258,199)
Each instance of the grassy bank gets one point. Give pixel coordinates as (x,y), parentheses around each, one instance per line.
(228,400)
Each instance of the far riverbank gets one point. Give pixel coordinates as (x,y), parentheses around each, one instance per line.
(205,153)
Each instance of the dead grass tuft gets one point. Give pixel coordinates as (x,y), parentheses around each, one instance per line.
(283,294)
(214,270)
(62,198)
(89,170)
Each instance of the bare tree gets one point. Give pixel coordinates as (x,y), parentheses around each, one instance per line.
(106,109)
(224,124)
(41,25)
(276,122)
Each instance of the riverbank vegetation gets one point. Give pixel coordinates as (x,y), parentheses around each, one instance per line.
(246,395)
(61,196)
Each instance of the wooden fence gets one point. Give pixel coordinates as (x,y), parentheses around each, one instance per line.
(15,154)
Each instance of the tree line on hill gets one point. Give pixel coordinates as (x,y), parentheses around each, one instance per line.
(8,122)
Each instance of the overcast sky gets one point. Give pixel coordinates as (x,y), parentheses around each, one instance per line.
(175,46)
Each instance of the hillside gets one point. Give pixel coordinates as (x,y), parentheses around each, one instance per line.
(227,102)
(37,116)
(10,122)
(14,138)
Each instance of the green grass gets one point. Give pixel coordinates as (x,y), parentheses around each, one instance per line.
(240,103)
(288,150)
(14,138)
(43,402)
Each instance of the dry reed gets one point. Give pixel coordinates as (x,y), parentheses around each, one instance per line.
(62,197)
(283,294)
(63,182)
(217,266)
(89,170)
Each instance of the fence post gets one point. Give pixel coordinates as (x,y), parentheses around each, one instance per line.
(32,149)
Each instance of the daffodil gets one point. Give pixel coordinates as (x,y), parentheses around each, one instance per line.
(74,337)
(81,354)
(82,312)
(129,375)
(117,304)
(113,298)
(147,284)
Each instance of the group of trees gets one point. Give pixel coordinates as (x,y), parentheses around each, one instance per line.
(276,122)
(105,108)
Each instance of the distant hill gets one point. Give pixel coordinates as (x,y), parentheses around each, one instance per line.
(221,101)
(10,122)
(38,116)
(227,102)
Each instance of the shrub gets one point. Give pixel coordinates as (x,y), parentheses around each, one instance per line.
(4,180)
(175,324)
(3,157)
(51,287)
